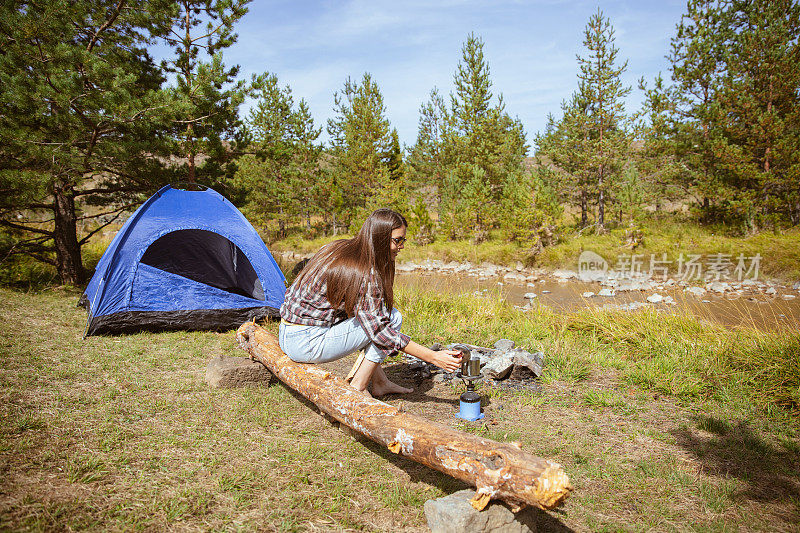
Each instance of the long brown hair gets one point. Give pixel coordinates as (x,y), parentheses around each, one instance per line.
(347,262)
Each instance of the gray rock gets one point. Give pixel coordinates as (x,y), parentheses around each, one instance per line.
(407,267)
(655,298)
(718,286)
(796,286)
(633,285)
(230,372)
(669,300)
(514,276)
(504,345)
(530,295)
(564,274)
(454,514)
(530,361)
(770,291)
(606,292)
(587,294)
(789,296)
(519,266)
(695,291)
(499,366)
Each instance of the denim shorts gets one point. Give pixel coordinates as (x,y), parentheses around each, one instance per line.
(321,344)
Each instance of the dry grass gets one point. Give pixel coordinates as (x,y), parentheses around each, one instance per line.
(122,433)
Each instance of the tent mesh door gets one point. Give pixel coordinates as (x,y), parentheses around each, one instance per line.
(205,257)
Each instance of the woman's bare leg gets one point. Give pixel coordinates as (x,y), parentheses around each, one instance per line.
(369,370)
(363,375)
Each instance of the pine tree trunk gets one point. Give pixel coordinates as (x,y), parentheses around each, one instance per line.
(190,153)
(187,77)
(65,236)
(601,202)
(584,209)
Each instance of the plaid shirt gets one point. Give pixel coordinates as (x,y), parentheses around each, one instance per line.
(308,305)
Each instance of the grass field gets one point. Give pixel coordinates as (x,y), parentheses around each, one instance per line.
(666,234)
(662,423)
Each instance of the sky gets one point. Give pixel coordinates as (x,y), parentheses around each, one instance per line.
(410,47)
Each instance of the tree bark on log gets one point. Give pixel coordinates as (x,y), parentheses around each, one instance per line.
(498,471)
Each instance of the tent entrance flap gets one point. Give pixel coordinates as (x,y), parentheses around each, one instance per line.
(205,257)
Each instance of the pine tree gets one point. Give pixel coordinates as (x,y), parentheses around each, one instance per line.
(468,150)
(658,176)
(360,138)
(84,126)
(601,87)
(394,158)
(208,92)
(696,55)
(279,178)
(425,157)
(563,152)
(761,102)
(735,66)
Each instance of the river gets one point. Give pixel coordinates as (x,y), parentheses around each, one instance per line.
(749,309)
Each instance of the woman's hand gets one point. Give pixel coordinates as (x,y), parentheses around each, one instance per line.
(449,360)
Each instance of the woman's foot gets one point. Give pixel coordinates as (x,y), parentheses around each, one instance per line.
(381,384)
(389,388)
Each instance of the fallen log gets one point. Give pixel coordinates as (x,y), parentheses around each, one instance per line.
(498,471)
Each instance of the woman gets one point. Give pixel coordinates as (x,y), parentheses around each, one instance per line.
(342,302)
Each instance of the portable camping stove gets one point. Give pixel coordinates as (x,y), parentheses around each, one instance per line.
(470,403)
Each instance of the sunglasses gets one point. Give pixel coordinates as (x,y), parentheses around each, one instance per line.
(399,240)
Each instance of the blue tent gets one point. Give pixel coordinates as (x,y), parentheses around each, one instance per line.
(183,260)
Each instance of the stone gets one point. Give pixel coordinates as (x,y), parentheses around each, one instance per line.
(695,291)
(587,294)
(770,291)
(530,295)
(231,372)
(406,267)
(789,296)
(519,266)
(669,300)
(655,298)
(504,345)
(718,286)
(629,285)
(531,361)
(606,292)
(564,274)
(499,365)
(514,276)
(454,514)
(796,286)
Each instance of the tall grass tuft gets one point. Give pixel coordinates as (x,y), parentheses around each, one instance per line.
(675,355)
